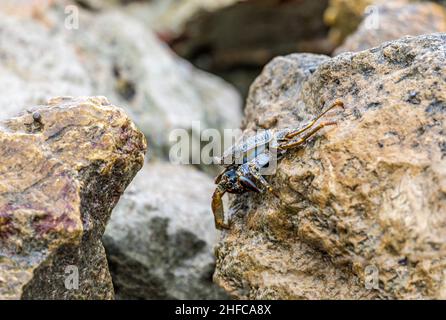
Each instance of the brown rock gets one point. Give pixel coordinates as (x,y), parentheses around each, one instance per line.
(63,167)
(393,21)
(362,200)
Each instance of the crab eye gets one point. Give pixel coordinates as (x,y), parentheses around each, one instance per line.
(231,176)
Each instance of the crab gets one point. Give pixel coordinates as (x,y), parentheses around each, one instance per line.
(243,161)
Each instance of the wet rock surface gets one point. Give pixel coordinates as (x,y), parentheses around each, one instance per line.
(160,238)
(395,20)
(63,167)
(367,195)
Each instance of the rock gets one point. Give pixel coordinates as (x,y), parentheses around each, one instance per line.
(161,235)
(396,20)
(169,17)
(344,16)
(31,70)
(96,5)
(27,9)
(241,38)
(361,210)
(63,167)
(157,89)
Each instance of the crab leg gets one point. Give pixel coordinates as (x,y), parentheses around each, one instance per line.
(295,133)
(217,209)
(307,136)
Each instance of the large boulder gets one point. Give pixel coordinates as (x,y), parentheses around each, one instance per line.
(395,20)
(161,236)
(63,167)
(361,209)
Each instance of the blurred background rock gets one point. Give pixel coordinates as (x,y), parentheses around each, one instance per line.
(169,63)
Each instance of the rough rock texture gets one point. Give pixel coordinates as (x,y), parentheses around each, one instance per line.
(158,90)
(63,167)
(31,71)
(369,194)
(161,235)
(396,20)
(237,40)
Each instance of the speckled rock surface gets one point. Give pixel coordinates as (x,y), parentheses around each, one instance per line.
(396,20)
(63,167)
(161,236)
(369,193)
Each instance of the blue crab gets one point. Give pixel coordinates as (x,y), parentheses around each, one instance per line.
(243,161)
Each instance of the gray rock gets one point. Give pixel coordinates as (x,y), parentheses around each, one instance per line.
(35,66)
(160,238)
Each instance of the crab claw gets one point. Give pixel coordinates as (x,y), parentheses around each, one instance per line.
(248,184)
(217,209)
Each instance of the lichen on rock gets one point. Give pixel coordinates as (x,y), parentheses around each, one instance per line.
(369,193)
(63,167)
